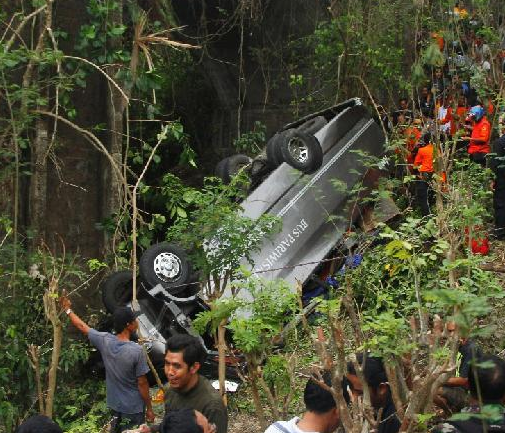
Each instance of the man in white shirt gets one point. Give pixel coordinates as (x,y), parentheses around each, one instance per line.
(321,415)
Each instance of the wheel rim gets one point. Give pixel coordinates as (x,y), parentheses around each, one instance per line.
(167,267)
(298,150)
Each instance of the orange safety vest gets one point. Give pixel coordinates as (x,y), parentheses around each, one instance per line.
(481,131)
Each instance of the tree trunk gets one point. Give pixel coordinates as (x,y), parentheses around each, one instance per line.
(260,413)
(38,185)
(39,152)
(38,181)
(51,310)
(34,352)
(53,370)
(221,349)
(115,125)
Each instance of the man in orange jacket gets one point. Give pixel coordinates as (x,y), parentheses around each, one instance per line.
(478,147)
(423,163)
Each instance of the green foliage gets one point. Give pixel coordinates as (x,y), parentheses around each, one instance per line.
(23,323)
(252,142)
(489,412)
(409,271)
(95,265)
(272,305)
(94,35)
(387,334)
(423,419)
(178,197)
(83,409)
(255,318)
(432,56)
(174,136)
(352,44)
(222,309)
(276,373)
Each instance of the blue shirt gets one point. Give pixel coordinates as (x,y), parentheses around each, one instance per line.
(124,362)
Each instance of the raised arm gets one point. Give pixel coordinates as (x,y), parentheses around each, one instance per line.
(66,306)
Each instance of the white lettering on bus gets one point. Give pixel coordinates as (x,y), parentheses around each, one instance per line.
(283,246)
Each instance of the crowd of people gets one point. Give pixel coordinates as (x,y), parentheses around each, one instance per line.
(459,111)
(192,405)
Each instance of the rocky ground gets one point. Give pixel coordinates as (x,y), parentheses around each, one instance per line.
(240,422)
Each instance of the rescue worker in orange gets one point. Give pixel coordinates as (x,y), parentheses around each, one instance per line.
(478,147)
(423,163)
(412,136)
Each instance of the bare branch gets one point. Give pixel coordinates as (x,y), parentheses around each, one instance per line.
(92,138)
(123,94)
(21,25)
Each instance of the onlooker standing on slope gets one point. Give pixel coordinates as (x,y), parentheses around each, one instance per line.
(125,367)
(478,147)
(380,392)
(423,163)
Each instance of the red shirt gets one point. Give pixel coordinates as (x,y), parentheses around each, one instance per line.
(424,159)
(481,131)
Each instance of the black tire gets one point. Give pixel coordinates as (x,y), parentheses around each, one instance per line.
(220,169)
(274,147)
(303,152)
(259,166)
(313,125)
(117,290)
(233,165)
(153,267)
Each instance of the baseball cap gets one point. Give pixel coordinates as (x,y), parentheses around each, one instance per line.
(123,316)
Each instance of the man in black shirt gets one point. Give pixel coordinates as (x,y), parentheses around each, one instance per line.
(187,388)
(487,389)
(404,109)
(453,395)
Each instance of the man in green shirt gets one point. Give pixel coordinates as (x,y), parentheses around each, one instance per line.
(187,388)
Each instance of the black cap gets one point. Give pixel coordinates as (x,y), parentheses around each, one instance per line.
(123,316)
